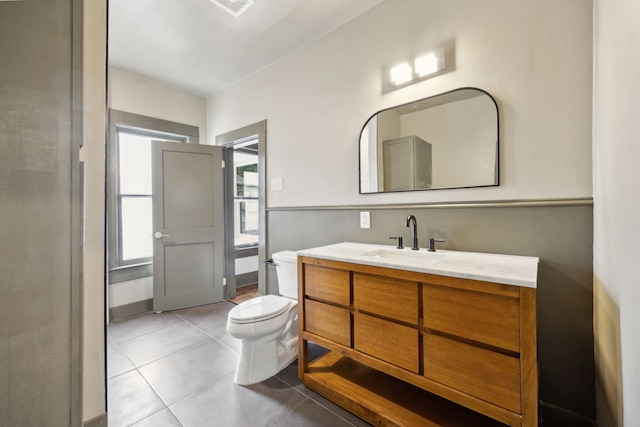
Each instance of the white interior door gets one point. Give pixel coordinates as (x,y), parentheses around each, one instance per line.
(188,248)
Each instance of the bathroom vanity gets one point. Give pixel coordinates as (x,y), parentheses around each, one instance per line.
(420,338)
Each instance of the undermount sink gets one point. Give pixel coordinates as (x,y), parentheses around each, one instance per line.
(405,254)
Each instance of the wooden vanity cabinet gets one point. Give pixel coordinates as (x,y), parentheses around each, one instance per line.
(439,345)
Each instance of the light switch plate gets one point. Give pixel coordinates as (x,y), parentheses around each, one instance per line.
(276,184)
(365,219)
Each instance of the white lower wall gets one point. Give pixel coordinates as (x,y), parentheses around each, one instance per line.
(136,290)
(131,291)
(246,265)
(617,211)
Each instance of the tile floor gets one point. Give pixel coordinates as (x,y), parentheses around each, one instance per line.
(176,369)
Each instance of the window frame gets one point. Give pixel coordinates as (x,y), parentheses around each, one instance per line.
(146,126)
(254,141)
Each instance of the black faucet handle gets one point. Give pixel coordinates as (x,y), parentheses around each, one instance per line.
(399,239)
(432,243)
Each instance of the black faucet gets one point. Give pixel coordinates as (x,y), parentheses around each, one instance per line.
(411,218)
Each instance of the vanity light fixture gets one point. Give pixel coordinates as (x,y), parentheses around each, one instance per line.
(424,67)
(401,73)
(428,64)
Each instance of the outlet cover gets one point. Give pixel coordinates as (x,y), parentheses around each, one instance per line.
(365,219)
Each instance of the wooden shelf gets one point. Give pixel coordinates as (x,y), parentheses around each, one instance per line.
(383,400)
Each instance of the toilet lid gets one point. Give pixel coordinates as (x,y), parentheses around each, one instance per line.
(260,308)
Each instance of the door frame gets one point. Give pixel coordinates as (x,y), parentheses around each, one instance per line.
(228,140)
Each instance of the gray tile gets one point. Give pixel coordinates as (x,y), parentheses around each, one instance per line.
(290,373)
(221,308)
(233,343)
(290,376)
(154,345)
(117,362)
(187,358)
(212,321)
(228,404)
(130,399)
(189,370)
(162,418)
(336,409)
(143,324)
(310,414)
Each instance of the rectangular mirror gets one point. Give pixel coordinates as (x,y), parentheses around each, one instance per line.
(445,141)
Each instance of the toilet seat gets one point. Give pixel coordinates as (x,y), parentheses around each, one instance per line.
(259,309)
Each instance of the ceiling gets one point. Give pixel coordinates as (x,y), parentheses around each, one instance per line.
(196,46)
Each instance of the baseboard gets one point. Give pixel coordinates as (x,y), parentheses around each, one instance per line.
(552,415)
(246,279)
(132,272)
(127,310)
(99,421)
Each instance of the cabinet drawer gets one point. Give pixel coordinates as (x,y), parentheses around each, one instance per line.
(328,321)
(393,298)
(486,318)
(388,341)
(483,373)
(327,284)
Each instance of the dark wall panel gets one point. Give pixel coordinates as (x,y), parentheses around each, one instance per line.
(560,235)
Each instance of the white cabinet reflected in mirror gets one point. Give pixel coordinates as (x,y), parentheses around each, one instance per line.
(444,141)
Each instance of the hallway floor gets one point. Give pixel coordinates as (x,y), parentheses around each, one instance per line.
(177,368)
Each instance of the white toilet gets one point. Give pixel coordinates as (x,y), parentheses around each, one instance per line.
(268,326)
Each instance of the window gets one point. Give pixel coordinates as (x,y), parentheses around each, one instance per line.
(246,195)
(135,220)
(130,186)
(134,196)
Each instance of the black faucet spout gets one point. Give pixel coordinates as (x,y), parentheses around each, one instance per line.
(412,220)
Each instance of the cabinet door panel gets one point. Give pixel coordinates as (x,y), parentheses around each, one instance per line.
(393,298)
(478,316)
(327,284)
(328,321)
(388,341)
(491,376)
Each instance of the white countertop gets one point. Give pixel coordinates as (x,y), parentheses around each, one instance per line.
(506,269)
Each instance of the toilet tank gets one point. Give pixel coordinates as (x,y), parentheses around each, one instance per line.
(287,271)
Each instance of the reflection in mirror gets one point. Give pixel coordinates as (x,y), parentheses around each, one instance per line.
(445,141)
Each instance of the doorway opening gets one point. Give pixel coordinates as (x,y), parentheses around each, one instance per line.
(245,215)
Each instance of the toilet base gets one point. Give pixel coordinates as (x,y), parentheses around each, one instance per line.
(261,360)
(268,346)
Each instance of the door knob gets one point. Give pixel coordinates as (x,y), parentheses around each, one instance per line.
(159,235)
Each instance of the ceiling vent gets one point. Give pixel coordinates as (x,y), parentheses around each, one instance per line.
(234,7)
